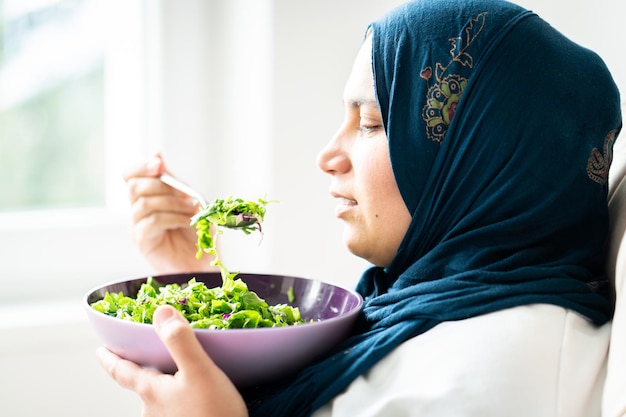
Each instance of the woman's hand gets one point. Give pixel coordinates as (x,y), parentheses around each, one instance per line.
(198,389)
(160,217)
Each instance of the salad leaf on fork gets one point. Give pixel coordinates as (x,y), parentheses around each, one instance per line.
(232,213)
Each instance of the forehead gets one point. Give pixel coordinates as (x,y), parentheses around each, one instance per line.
(360,85)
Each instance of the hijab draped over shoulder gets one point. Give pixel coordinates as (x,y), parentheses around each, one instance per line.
(500,135)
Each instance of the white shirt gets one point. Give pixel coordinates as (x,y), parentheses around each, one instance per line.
(531,361)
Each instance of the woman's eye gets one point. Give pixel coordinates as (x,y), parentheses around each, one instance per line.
(368,129)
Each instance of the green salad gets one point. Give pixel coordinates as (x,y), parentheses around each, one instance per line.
(232,305)
(232,213)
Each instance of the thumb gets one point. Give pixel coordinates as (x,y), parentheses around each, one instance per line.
(155,166)
(179,339)
(152,168)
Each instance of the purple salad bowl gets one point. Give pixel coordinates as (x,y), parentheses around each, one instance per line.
(247,356)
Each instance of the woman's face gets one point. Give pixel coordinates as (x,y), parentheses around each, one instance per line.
(357,159)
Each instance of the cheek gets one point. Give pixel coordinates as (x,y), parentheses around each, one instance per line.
(391,215)
(380,184)
(374,176)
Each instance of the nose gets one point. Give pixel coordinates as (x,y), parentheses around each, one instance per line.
(333,158)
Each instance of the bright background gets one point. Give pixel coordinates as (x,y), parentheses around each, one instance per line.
(238,95)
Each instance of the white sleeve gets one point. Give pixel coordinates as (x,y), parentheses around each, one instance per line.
(535,361)
(614,400)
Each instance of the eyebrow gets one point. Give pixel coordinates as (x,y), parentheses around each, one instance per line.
(358,102)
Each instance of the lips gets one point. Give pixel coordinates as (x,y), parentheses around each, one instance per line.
(344,204)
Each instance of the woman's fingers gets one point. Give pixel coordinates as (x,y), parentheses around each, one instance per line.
(196,370)
(198,389)
(128,374)
(181,342)
(139,187)
(152,168)
(147,206)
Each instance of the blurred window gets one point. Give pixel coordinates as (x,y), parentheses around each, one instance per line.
(72,117)
(51,104)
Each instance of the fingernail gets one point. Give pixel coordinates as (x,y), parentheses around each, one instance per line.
(154,165)
(163,315)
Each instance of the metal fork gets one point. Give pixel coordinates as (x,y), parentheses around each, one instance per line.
(181,186)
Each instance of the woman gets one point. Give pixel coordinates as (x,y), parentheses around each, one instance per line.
(471,171)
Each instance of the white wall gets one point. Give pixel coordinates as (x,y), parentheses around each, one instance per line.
(275,100)
(268,105)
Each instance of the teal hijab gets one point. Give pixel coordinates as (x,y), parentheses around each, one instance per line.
(500,134)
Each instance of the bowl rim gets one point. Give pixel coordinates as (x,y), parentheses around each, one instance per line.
(353,311)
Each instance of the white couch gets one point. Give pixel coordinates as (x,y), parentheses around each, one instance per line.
(614,401)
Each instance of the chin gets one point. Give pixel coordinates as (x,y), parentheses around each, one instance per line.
(357,248)
(351,243)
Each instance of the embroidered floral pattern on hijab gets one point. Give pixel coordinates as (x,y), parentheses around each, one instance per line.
(443,97)
(599,163)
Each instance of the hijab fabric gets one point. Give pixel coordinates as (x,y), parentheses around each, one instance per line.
(500,135)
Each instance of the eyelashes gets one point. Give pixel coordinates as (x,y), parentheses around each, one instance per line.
(370,129)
